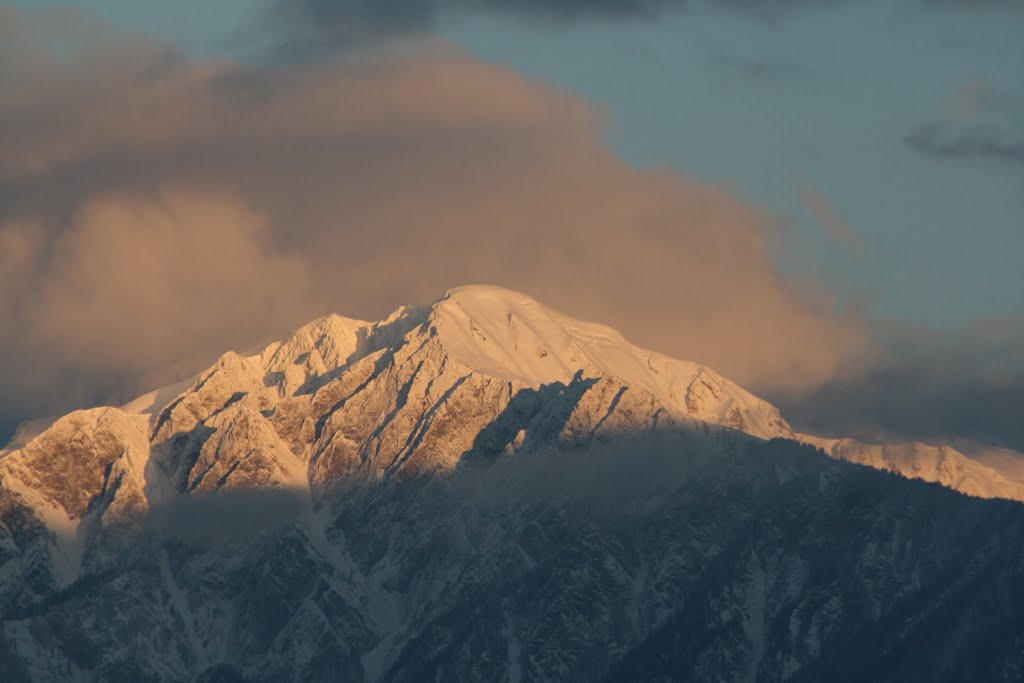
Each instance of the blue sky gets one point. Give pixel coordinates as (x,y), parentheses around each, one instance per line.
(816,102)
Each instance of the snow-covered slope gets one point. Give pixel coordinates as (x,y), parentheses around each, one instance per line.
(511,336)
(128,546)
(1008,463)
(483,371)
(938,463)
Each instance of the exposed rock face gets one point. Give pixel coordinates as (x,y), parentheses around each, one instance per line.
(345,505)
(483,371)
(82,457)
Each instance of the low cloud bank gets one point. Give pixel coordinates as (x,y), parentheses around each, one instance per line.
(235,516)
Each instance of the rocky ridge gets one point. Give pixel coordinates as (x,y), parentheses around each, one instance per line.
(344,504)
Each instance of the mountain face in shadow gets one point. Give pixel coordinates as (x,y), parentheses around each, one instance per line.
(645,559)
(485,489)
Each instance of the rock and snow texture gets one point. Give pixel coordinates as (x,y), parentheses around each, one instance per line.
(482,371)
(380,573)
(510,336)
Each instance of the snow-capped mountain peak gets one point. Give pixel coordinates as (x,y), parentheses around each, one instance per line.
(509,335)
(483,371)
(364,559)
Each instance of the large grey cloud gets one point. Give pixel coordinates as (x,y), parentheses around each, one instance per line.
(922,384)
(157,211)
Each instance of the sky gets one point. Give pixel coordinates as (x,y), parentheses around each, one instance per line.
(824,199)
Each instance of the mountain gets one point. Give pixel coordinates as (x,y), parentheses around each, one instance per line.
(988,472)
(486,489)
(481,372)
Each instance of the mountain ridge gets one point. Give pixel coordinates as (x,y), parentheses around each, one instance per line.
(482,372)
(479,489)
(493,337)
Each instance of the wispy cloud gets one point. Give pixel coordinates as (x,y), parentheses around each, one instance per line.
(764,67)
(973,141)
(310,29)
(979,124)
(970,5)
(304,28)
(969,101)
(370,15)
(824,214)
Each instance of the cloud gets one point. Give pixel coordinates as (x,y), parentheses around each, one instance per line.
(340,23)
(135,291)
(613,474)
(990,142)
(312,27)
(414,14)
(968,5)
(918,384)
(969,101)
(178,270)
(822,211)
(304,29)
(764,68)
(229,517)
(980,124)
(164,210)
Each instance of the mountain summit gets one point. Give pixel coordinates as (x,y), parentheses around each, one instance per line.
(486,489)
(482,372)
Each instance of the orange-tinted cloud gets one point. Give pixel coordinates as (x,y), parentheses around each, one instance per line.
(969,101)
(135,292)
(175,274)
(822,211)
(359,184)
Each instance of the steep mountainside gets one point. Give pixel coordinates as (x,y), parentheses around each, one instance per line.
(483,371)
(632,561)
(485,489)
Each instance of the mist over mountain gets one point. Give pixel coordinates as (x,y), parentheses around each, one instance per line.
(486,489)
